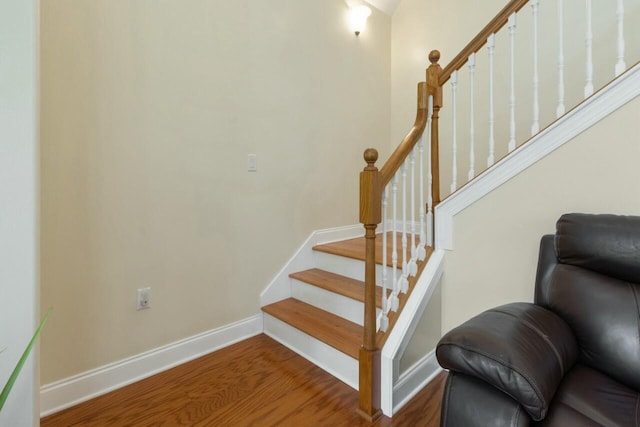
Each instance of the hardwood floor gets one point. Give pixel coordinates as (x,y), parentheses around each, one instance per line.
(256,382)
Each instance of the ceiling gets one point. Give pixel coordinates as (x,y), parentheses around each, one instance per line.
(387,6)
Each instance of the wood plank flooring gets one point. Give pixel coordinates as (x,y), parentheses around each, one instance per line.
(256,382)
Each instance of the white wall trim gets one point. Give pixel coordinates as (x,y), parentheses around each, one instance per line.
(280,287)
(402,333)
(79,388)
(604,102)
(415,379)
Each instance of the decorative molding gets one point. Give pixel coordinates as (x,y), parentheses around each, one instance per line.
(402,333)
(280,287)
(415,379)
(62,394)
(604,102)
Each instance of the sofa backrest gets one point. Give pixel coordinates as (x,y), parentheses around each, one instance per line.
(589,274)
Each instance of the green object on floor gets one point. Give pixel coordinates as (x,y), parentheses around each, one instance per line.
(16,371)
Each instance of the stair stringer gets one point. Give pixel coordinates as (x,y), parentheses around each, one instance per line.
(395,389)
(586,114)
(280,287)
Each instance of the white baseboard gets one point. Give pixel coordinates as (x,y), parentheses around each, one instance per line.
(62,394)
(415,379)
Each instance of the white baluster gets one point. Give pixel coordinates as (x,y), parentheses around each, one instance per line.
(430,179)
(588,88)
(620,65)
(393,301)
(423,214)
(413,266)
(404,284)
(535,127)
(454,134)
(491,44)
(511,24)
(472,125)
(384,319)
(560,109)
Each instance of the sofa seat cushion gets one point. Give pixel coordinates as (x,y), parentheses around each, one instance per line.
(587,397)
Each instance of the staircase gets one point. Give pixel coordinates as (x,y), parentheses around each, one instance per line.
(323,319)
(329,309)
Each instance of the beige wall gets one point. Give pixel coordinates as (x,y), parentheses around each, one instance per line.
(496,239)
(426,334)
(149,109)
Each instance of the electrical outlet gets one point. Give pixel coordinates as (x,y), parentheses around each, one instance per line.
(144,299)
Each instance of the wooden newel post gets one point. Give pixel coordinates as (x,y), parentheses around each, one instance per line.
(434,88)
(369,360)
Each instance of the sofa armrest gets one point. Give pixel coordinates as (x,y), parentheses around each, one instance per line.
(470,402)
(522,349)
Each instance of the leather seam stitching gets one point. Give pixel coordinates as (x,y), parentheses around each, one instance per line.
(544,337)
(516,416)
(635,297)
(535,389)
(638,410)
(445,400)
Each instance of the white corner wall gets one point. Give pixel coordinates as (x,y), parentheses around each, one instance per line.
(18,205)
(496,239)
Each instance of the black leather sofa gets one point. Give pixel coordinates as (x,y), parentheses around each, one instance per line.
(572,358)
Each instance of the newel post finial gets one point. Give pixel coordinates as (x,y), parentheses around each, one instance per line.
(370,189)
(433,78)
(434,56)
(371,157)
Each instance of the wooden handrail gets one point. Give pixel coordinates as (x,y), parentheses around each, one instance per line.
(479,40)
(372,184)
(402,151)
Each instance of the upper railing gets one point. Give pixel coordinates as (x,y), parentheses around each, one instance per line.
(401,195)
(480,40)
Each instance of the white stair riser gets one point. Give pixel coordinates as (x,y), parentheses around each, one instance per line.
(342,306)
(348,267)
(338,364)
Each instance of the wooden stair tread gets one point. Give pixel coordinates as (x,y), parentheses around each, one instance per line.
(333,330)
(355,248)
(336,283)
